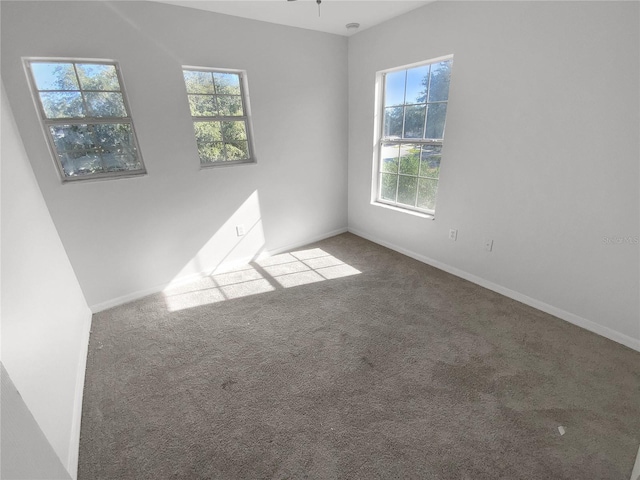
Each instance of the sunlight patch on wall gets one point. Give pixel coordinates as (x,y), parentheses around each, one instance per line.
(261,276)
(225,247)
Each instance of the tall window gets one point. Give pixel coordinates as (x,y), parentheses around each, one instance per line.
(84,110)
(413,110)
(219,109)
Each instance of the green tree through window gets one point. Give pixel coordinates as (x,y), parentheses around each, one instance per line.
(84,110)
(410,145)
(220,121)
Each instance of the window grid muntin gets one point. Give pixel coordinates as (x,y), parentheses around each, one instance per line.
(398,175)
(382,140)
(222,134)
(80,90)
(222,118)
(100,151)
(87,120)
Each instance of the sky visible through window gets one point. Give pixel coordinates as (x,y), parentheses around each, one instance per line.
(88,123)
(220,121)
(414,114)
(61,76)
(416,101)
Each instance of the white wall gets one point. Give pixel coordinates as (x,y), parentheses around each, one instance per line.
(541,152)
(45,318)
(26,453)
(541,155)
(125,237)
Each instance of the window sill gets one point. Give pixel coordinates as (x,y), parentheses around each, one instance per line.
(214,165)
(101,177)
(427,216)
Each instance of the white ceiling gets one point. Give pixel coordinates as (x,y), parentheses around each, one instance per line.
(334,14)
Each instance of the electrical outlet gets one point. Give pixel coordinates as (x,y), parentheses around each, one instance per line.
(453,234)
(240,230)
(488,244)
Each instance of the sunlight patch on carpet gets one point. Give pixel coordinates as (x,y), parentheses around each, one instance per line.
(265,275)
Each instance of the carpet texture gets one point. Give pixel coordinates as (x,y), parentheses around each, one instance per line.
(346,360)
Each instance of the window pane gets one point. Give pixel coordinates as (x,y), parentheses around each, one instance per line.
(238,150)
(407,188)
(83,91)
(54,76)
(105,104)
(417,83)
(113,135)
(394,88)
(393,122)
(430,161)
(211,152)
(207,132)
(436,115)
(230,105)
(388,186)
(80,163)
(389,158)
(68,138)
(62,104)
(232,131)
(198,82)
(203,106)
(440,78)
(120,160)
(427,189)
(414,121)
(218,95)
(132,160)
(410,159)
(227,83)
(98,77)
(413,127)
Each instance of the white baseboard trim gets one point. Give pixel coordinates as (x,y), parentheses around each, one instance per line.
(74,446)
(130,297)
(315,239)
(98,307)
(532,302)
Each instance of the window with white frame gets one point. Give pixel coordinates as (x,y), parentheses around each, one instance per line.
(85,113)
(220,113)
(412,109)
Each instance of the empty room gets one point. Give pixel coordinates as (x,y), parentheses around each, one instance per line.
(320,239)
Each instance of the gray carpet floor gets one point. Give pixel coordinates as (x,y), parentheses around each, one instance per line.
(346,360)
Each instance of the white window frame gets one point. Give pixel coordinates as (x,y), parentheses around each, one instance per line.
(46,122)
(244,94)
(380,140)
